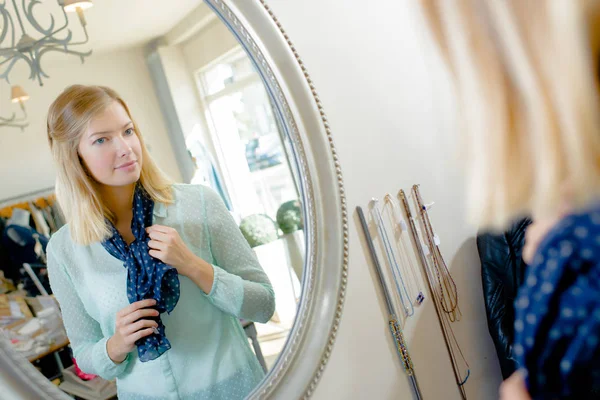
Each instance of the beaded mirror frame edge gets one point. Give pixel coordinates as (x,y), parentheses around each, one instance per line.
(300,366)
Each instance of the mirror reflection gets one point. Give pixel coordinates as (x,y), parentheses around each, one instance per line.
(151,225)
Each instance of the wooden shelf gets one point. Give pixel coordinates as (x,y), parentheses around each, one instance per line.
(56,347)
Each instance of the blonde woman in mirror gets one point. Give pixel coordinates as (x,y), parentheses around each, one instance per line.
(525,75)
(152,277)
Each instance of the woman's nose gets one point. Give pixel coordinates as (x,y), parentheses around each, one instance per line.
(123,148)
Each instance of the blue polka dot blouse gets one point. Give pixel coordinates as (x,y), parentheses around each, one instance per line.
(557,324)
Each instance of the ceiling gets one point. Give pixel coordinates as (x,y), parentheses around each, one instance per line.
(114,24)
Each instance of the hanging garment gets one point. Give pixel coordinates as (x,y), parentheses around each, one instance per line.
(49,219)
(40,222)
(23,244)
(502,270)
(59,218)
(6,264)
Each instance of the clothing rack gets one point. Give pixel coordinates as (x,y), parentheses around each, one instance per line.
(27,196)
(40,198)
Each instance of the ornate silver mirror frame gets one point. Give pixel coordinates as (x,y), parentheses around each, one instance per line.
(309,345)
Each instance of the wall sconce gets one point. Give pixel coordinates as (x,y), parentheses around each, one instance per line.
(18,95)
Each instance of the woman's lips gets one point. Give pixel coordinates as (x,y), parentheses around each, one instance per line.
(126,165)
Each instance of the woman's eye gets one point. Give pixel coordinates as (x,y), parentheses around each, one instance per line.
(100,141)
(129,131)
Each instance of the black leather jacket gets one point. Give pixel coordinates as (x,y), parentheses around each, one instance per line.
(502,271)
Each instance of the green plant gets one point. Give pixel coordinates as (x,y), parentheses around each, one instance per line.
(289,217)
(259,229)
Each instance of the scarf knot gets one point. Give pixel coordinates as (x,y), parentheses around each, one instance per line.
(147,277)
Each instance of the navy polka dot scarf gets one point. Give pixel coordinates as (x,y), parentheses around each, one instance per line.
(147,277)
(557,312)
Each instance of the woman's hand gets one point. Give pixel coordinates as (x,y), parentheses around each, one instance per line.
(514,388)
(540,227)
(131,327)
(167,246)
(534,235)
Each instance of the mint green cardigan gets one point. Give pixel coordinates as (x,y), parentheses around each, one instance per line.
(210,357)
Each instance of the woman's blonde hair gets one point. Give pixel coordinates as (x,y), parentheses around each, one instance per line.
(526,77)
(76,191)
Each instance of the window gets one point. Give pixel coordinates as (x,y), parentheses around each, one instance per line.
(247,139)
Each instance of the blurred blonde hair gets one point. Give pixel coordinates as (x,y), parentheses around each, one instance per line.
(68,119)
(526,79)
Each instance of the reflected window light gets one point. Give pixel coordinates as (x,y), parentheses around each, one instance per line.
(248,143)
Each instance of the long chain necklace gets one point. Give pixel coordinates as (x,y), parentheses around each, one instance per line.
(446,285)
(443,317)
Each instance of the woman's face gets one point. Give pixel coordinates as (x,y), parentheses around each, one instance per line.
(110,148)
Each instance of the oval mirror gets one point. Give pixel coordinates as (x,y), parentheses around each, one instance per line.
(195,138)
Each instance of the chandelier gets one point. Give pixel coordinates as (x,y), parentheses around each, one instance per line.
(54,37)
(18,95)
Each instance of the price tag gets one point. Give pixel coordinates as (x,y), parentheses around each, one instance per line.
(425,248)
(403,225)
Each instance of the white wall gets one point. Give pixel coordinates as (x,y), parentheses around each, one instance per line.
(214,41)
(203,43)
(390,110)
(183,88)
(25,160)
(387,102)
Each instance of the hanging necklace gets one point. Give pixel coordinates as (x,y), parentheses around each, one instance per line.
(398,222)
(409,309)
(446,285)
(443,318)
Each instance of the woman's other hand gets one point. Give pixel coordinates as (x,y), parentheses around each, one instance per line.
(514,388)
(534,235)
(167,246)
(131,325)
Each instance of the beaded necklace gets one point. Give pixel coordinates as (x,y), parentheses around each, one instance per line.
(409,309)
(398,222)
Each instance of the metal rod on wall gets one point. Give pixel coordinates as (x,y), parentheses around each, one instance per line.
(394,327)
(26,196)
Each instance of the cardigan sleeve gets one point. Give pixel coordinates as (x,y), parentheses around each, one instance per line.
(84,332)
(240,285)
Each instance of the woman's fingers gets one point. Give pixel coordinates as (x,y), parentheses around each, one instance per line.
(514,388)
(136,306)
(139,325)
(534,235)
(139,314)
(158,235)
(141,334)
(156,245)
(156,254)
(159,228)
